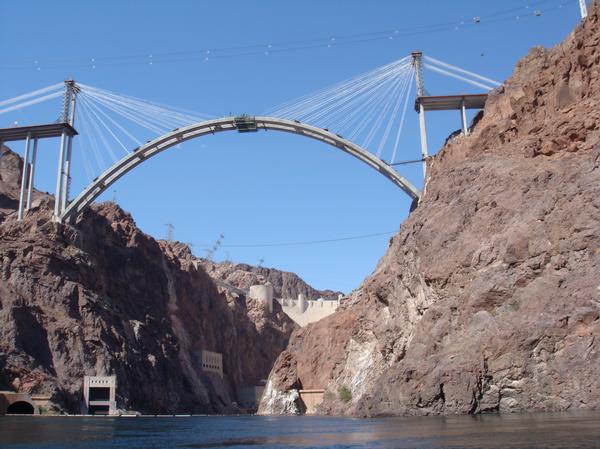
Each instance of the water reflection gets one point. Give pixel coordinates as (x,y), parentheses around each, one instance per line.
(577,431)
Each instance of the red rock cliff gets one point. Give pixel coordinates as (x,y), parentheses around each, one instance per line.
(489,296)
(101,297)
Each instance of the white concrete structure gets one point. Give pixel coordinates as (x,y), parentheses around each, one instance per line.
(210,127)
(302,303)
(249,397)
(212,362)
(263,293)
(99,395)
(311,400)
(304,311)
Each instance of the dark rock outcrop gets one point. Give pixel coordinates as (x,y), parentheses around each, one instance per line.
(488,299)
(101,297)
(10,177)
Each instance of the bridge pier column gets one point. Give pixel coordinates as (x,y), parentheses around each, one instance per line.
(31,174)
(66,175)
(463,118)
(24,176)
(59,177)
(417,60)
(424,149)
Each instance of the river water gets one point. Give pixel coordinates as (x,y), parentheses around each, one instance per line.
(581,430)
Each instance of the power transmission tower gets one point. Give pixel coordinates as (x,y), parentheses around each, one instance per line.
(170,229)
(213,249)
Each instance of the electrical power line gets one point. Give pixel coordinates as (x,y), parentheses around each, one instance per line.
(301,243)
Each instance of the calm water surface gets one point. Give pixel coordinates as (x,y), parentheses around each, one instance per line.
(511,431)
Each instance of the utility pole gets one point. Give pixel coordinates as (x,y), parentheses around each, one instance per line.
(417,60)
(583,9)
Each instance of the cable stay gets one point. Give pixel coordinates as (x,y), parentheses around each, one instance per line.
(489,83)
(363,115)
(471,78)
(111,121)
(32,98)
(370,109)
(365,109)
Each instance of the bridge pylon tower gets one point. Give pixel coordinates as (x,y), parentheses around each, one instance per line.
(417,60)
(63,175)
(62,128)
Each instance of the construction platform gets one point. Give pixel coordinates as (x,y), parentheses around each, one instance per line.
(450,102)
(36,131)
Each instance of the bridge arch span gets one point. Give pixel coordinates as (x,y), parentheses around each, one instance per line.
(241,124)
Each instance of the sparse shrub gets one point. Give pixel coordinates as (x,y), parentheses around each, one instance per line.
(344,394)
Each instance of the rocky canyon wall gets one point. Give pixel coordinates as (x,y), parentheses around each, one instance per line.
(101,297)
(488,298)
(286,285)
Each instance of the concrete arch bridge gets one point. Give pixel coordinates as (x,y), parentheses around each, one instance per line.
(240,124)
(369,109)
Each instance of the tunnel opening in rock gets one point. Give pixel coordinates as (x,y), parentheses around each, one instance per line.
(20,408)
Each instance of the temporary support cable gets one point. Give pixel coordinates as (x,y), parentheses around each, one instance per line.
(110,121)
(463,71)
(401,126)
(31,102)
(366,107)
(458,77)
(57,86)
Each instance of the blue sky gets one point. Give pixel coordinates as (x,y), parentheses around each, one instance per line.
(264,187)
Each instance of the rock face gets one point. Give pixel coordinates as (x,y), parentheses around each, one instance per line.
(488,298)
(285,284)
(101,297)
(10,169)
(10,180)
